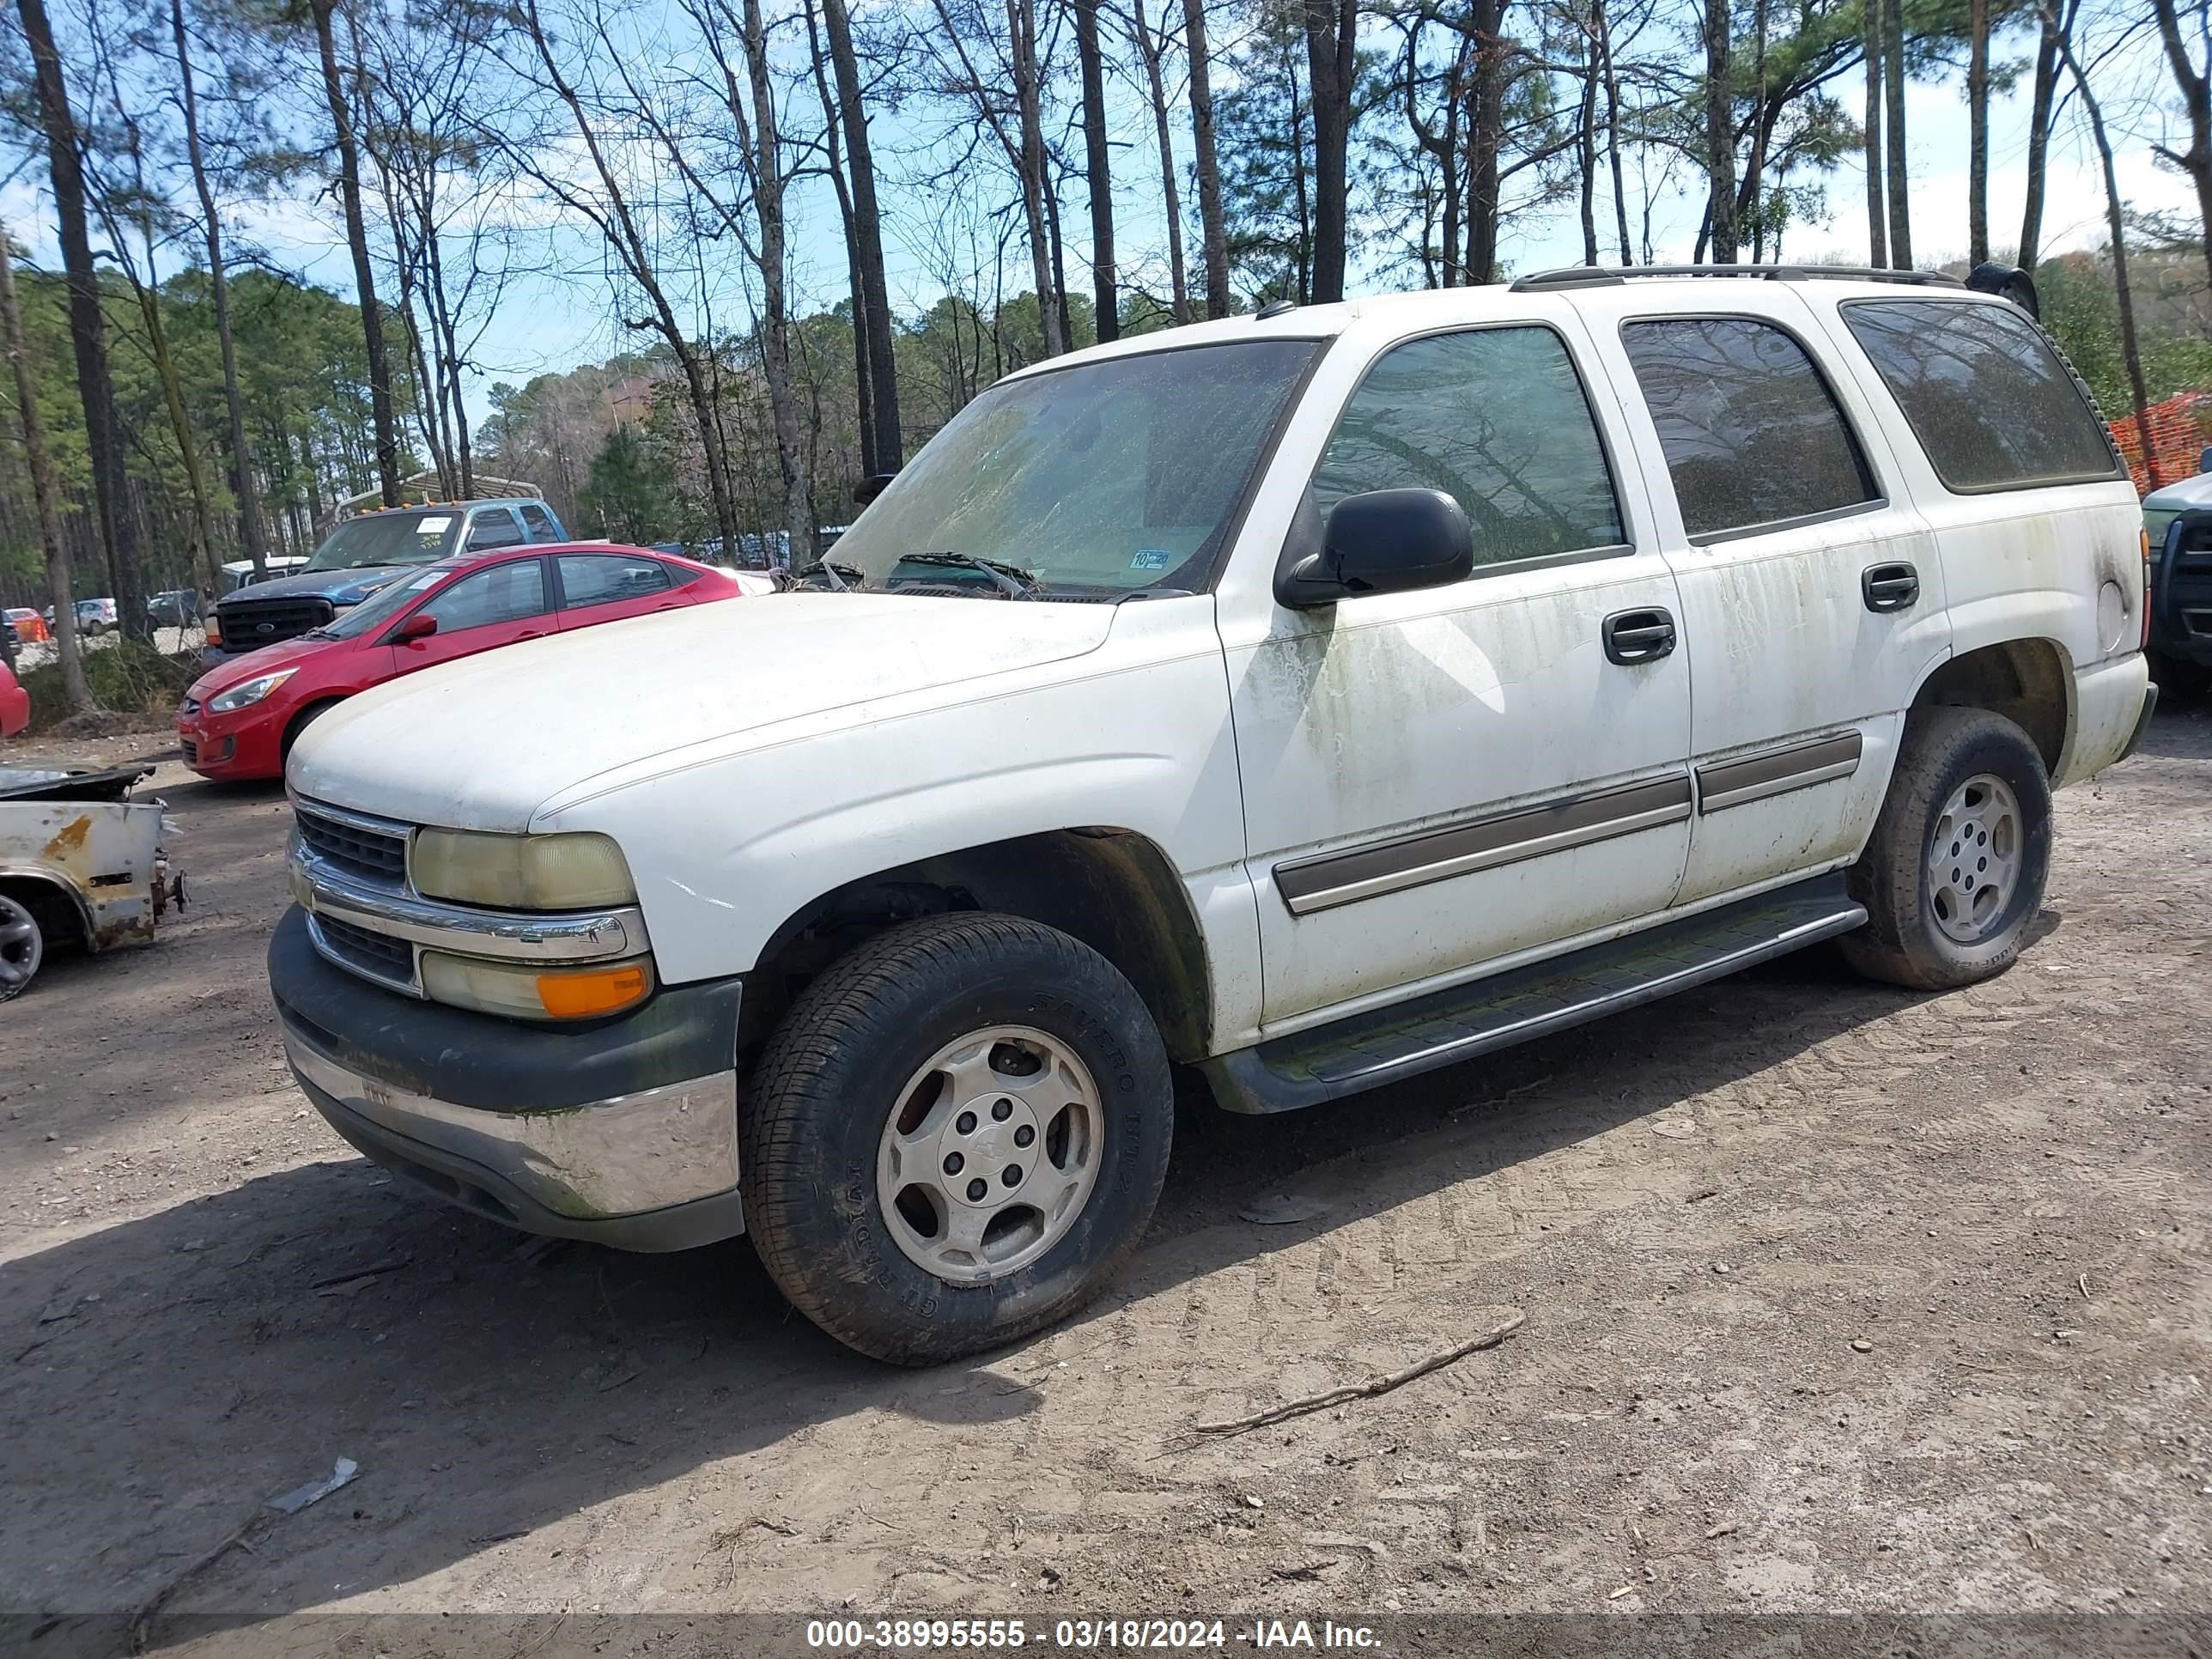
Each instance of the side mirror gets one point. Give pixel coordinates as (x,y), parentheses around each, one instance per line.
(420,626)
(1386,541)
(872,486)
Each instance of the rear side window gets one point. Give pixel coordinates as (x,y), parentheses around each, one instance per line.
(540,524)
(1497,419)
(602,579)
(1752,436)
(493,527)
(1988,399)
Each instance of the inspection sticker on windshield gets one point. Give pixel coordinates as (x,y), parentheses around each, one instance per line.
(1151,558)
(435,525)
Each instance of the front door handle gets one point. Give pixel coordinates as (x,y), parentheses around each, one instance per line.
(1890,586)
(1634,636)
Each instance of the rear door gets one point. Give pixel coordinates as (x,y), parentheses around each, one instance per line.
(482,611)
(1812,594)
(598,587)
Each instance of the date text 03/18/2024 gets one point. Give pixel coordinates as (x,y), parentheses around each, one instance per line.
(1079,1635)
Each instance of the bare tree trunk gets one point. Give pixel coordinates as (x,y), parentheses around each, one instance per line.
(1900,214)
(1485,137)
(1150,50)
(868,228)
(1877,214)
(862,386)
(2196,89)
(118,530)
(43,494)
(1613,136)
(2131,347)
(242,482)
(1978,131)
(2039,136)
(1103,287)
(1720,134)
(1331,28)
(372,321)
(1586,135)
(768,184)
(1208,166)
(1754,181)
(1021,30)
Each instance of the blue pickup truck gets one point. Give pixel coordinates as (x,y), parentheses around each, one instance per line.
(360,556)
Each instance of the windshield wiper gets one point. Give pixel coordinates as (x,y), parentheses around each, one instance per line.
(318,634)
(1010,579)
(836,573)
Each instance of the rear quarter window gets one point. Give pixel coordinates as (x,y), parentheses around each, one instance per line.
(1992,403)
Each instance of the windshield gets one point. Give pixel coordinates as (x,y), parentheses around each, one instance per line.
(379,608)
(387,538)
(1100,479)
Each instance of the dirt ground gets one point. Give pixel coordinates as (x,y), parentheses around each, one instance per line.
(1837,1299)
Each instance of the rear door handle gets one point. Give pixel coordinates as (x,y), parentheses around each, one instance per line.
(1634,636)
(1889,586)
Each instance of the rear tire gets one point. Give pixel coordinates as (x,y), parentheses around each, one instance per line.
(1956,869)
(910,1226)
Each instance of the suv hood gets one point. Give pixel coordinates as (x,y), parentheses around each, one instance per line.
(339,586)
(484,742)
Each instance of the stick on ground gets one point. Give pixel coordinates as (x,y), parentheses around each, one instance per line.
(1368,1390)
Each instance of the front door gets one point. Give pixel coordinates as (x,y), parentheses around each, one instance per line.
(494,607)
(1437,782)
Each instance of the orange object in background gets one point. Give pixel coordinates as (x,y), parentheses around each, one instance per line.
(30,627)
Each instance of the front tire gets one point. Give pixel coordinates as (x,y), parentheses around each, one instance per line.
(1955,870)
(956,1136)
(22,948)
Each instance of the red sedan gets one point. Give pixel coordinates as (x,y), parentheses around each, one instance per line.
(15,704)
(239,720)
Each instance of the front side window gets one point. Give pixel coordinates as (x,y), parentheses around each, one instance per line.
(1104,478)
(599,579)
(1752,436)
(1498,420)
(506,592)
(1988,399)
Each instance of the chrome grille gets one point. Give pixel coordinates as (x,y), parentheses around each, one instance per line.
(354,847)
(377,955)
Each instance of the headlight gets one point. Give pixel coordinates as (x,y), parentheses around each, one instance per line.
(521,990)
(252,691)
(520,873)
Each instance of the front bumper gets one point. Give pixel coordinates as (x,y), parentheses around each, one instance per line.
(249,744)
(624,1132)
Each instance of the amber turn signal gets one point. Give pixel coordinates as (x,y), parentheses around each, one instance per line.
(588,995)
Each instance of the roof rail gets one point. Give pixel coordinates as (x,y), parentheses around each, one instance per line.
(1613,276)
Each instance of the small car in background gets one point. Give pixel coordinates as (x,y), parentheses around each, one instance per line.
(177,608)
(240,717)
(95,617)
(15,704)
(30,627)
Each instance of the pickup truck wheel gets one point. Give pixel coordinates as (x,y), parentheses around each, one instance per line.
(955,1137)
(1956,866)
(22,948)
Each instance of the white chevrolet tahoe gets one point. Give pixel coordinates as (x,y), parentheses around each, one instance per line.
(1313,699)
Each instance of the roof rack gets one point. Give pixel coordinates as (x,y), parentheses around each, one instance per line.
(1613,276)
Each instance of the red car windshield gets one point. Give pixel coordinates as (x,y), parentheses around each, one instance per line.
(379,607)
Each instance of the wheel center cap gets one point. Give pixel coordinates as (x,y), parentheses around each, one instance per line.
(987,1149)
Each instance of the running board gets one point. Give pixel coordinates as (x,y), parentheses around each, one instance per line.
(1386,1045)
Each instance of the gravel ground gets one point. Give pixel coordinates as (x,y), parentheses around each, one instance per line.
(1837,1299)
